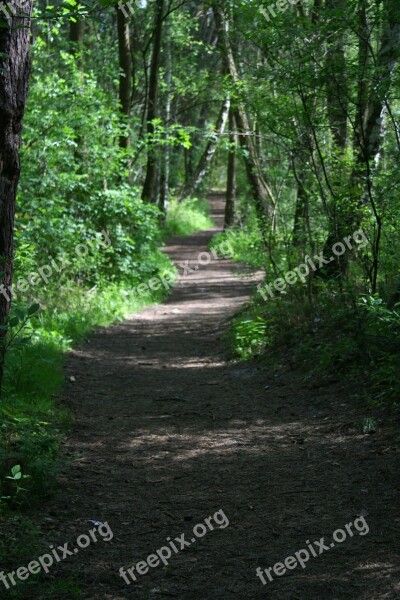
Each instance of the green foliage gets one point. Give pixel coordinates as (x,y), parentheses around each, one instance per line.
(245,242)
(20,543)
(187,217)
(369,425)
(84,241)
(249,335)
(31,422)
(334,333)
(71,196)
(15,324)
(16,477)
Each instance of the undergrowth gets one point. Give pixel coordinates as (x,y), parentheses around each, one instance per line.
(187,217)
(349,331)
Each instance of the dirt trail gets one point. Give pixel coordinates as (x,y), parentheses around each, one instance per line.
(168,432)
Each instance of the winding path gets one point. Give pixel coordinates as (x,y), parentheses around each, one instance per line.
(167,432)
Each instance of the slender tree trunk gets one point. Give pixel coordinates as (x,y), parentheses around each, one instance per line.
(209,152)
(231,174)
(125,68)
(262,194)
(14,76)
(149,193)
(373,119)
(188,158)
(337,105)
(374,112)
(336,82)
(76,30)
(76,33)
(299,237)
(200,120)
(166,155)
(364,34)
(369,129)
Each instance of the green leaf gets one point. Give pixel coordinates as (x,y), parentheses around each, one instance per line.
(33,309)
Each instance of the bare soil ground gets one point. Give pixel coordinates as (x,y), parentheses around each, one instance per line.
(167,432)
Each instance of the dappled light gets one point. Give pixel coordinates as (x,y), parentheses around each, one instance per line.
(199,300)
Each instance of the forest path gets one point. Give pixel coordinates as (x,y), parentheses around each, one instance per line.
(167,432)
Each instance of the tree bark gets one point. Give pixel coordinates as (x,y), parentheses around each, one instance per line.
(14,76)
(76,32)
(149,193)
(231,174)
(125,68)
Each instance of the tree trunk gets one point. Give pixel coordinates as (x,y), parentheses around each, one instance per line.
(262,194)
(209,152)
(14,76)
(364,59)
(125,68)
(336,82)
(149,193)
(76,32)
(188,159)
(299,237)
(231,174)
(386,61)
(166,155)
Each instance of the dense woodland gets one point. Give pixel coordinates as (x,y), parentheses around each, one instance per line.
(117,120)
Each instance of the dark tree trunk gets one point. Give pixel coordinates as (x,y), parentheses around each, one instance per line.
(188,158)
(125,68)
(76,32)
(300,215)
(14,76)
(364,60)
(166,156)
(336,82)
(149,193)
(231,174)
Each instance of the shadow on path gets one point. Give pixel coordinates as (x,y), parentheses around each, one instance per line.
(168,432)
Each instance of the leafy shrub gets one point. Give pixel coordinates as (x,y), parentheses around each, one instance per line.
(249,336)
(246,244)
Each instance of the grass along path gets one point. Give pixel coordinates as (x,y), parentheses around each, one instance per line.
(167,433)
